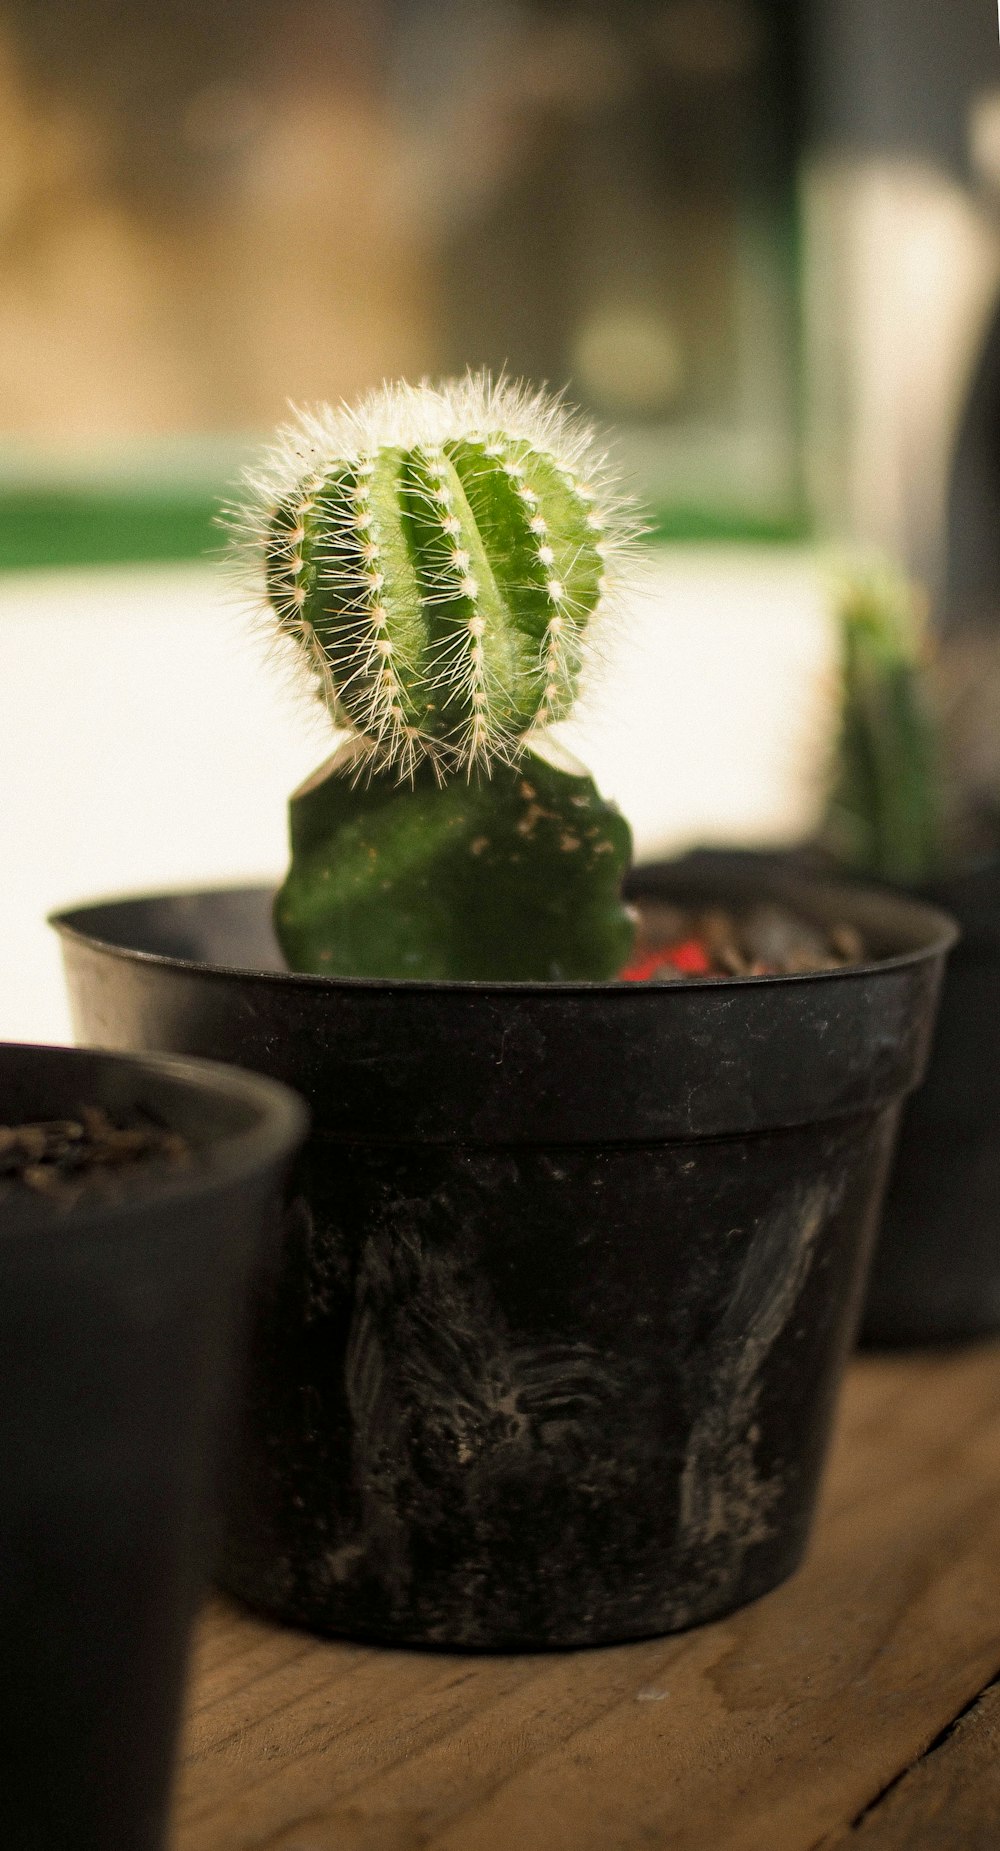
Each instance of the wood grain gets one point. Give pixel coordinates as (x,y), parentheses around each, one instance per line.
(950,1799)
(775,1730)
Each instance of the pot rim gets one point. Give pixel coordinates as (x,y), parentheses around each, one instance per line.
(280,1123)
(938,927)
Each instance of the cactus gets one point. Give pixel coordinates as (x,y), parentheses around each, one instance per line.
(514,877)
(438,556)
(886,814)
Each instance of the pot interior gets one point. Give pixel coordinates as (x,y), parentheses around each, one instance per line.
(231,928)
(238,1122)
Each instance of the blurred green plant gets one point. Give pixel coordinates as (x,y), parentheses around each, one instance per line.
(885,814)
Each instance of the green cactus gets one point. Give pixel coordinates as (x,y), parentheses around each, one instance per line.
(885,816)
(438,556)
(518,876)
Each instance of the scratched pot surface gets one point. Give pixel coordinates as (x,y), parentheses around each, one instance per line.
(522,1398)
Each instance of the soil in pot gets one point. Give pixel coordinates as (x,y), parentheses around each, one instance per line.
(570,1271)
(66,1159)
(124,1302)
(674,942)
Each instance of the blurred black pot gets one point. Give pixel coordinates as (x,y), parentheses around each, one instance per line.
(123,1323)
(936,1272)
(571,1276)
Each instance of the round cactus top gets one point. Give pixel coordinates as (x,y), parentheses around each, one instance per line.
(439,554)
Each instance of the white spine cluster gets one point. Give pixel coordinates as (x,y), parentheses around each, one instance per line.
(330,587)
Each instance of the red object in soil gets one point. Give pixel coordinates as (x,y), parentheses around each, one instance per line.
(689,957)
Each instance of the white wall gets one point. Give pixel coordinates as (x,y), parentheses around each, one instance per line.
(146,743)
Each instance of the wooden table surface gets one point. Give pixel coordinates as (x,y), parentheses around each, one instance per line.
(854,1708)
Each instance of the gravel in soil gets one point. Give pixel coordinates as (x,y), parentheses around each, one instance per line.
(674,943)
(63,1159)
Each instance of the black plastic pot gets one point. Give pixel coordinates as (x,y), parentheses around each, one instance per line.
(936,1271)
(572,1272)
(123,1323)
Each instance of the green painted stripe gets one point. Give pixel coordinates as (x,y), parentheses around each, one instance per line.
(684,525)
(68,527)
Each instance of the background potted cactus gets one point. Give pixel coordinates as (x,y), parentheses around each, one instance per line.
(915,800)
(572,1263)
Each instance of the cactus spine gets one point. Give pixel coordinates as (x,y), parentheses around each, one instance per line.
(438,555)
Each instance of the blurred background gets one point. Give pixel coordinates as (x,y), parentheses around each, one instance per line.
(758,238)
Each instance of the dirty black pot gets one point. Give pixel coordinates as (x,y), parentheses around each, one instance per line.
(123,1323)
(936,1271)
(571,1274)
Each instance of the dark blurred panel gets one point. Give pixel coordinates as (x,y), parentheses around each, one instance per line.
(611,244)
(894,77)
